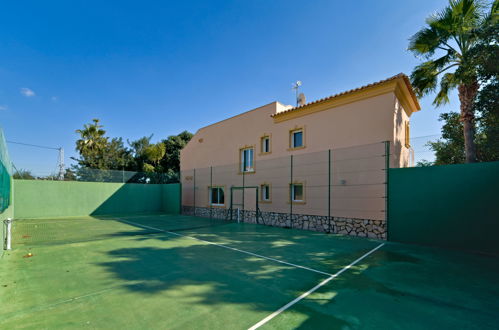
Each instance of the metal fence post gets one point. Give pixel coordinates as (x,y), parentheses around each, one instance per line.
(194,191)
(8,234)
(243,195)
(291,194)
(329,190)
(387,171)
(256,210)
(210,192)
(231,198)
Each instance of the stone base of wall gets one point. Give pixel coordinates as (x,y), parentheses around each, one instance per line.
(345,226)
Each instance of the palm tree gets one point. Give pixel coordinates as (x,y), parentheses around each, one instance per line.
(92,138)
(453,33)
(155,152)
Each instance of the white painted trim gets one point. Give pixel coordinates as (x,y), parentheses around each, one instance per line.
(291,303)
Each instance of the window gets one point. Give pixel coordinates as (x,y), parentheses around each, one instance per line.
(296,139)
(217,196)
(297,192)
(265,190)
(247,160)
(265,144)
(407,135)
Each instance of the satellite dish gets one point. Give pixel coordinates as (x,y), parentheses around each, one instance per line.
(301,99)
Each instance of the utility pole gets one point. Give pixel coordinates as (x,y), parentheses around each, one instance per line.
(60,176)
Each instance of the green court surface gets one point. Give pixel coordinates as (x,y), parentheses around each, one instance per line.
(161,271)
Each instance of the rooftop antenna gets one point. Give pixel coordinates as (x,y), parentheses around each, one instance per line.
(296,87)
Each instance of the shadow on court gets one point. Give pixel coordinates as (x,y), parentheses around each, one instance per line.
(398,286)
(137,277)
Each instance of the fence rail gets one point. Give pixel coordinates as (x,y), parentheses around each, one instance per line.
(318,189)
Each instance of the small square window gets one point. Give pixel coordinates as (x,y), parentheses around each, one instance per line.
(297,139)
(247,160)
(265,144)
(297,192)
(217,196)
(265,189)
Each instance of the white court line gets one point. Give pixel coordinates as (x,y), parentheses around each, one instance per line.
(291,303)
(228,247)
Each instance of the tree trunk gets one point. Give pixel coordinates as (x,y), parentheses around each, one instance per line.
(467,93)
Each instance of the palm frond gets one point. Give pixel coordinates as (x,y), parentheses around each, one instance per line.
(492,17)
(424,78)
(448,82)
(425,42)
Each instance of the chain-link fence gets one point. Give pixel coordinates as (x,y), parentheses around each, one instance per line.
(422,153)
(97,175)
(338,190)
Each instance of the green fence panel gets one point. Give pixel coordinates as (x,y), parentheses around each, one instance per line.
(172,198)
(42,198)
(5,174)
(454,206)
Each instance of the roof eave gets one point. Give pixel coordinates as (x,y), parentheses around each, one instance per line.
(399,84)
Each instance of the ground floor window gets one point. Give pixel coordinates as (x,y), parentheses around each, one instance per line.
(265,191)
(217,196)
(296,192)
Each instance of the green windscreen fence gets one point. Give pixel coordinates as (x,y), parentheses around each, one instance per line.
(453,206)
(5,174)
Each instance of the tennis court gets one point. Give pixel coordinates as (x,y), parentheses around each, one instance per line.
(175,271)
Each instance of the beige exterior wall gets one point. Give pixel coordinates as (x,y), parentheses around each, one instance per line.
(353,129)
(402,156)
(373,120)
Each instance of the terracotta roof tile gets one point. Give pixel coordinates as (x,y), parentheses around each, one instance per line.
(400,75)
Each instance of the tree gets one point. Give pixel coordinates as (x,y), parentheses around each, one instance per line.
(138,151)
(116,156)
(486,104)
(451,148)
(97,152)
(23,175)
(91,143)
(454,33)
(150,161)
(174,143)
(154,153)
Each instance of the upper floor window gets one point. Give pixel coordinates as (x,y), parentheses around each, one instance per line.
(247,160)
(217,196)
(296,138)
(265,144)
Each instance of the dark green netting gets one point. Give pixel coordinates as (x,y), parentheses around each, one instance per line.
(5,174)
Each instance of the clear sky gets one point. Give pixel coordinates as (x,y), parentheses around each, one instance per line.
(161,67)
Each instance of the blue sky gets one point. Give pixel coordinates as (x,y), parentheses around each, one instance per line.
(161,67)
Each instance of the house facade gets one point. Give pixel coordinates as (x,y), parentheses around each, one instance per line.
(319,166)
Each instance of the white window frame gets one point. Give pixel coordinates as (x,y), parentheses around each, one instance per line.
(262,188)
(218,195)
(265,144)
(292,192)
(293,138)
(244,167)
